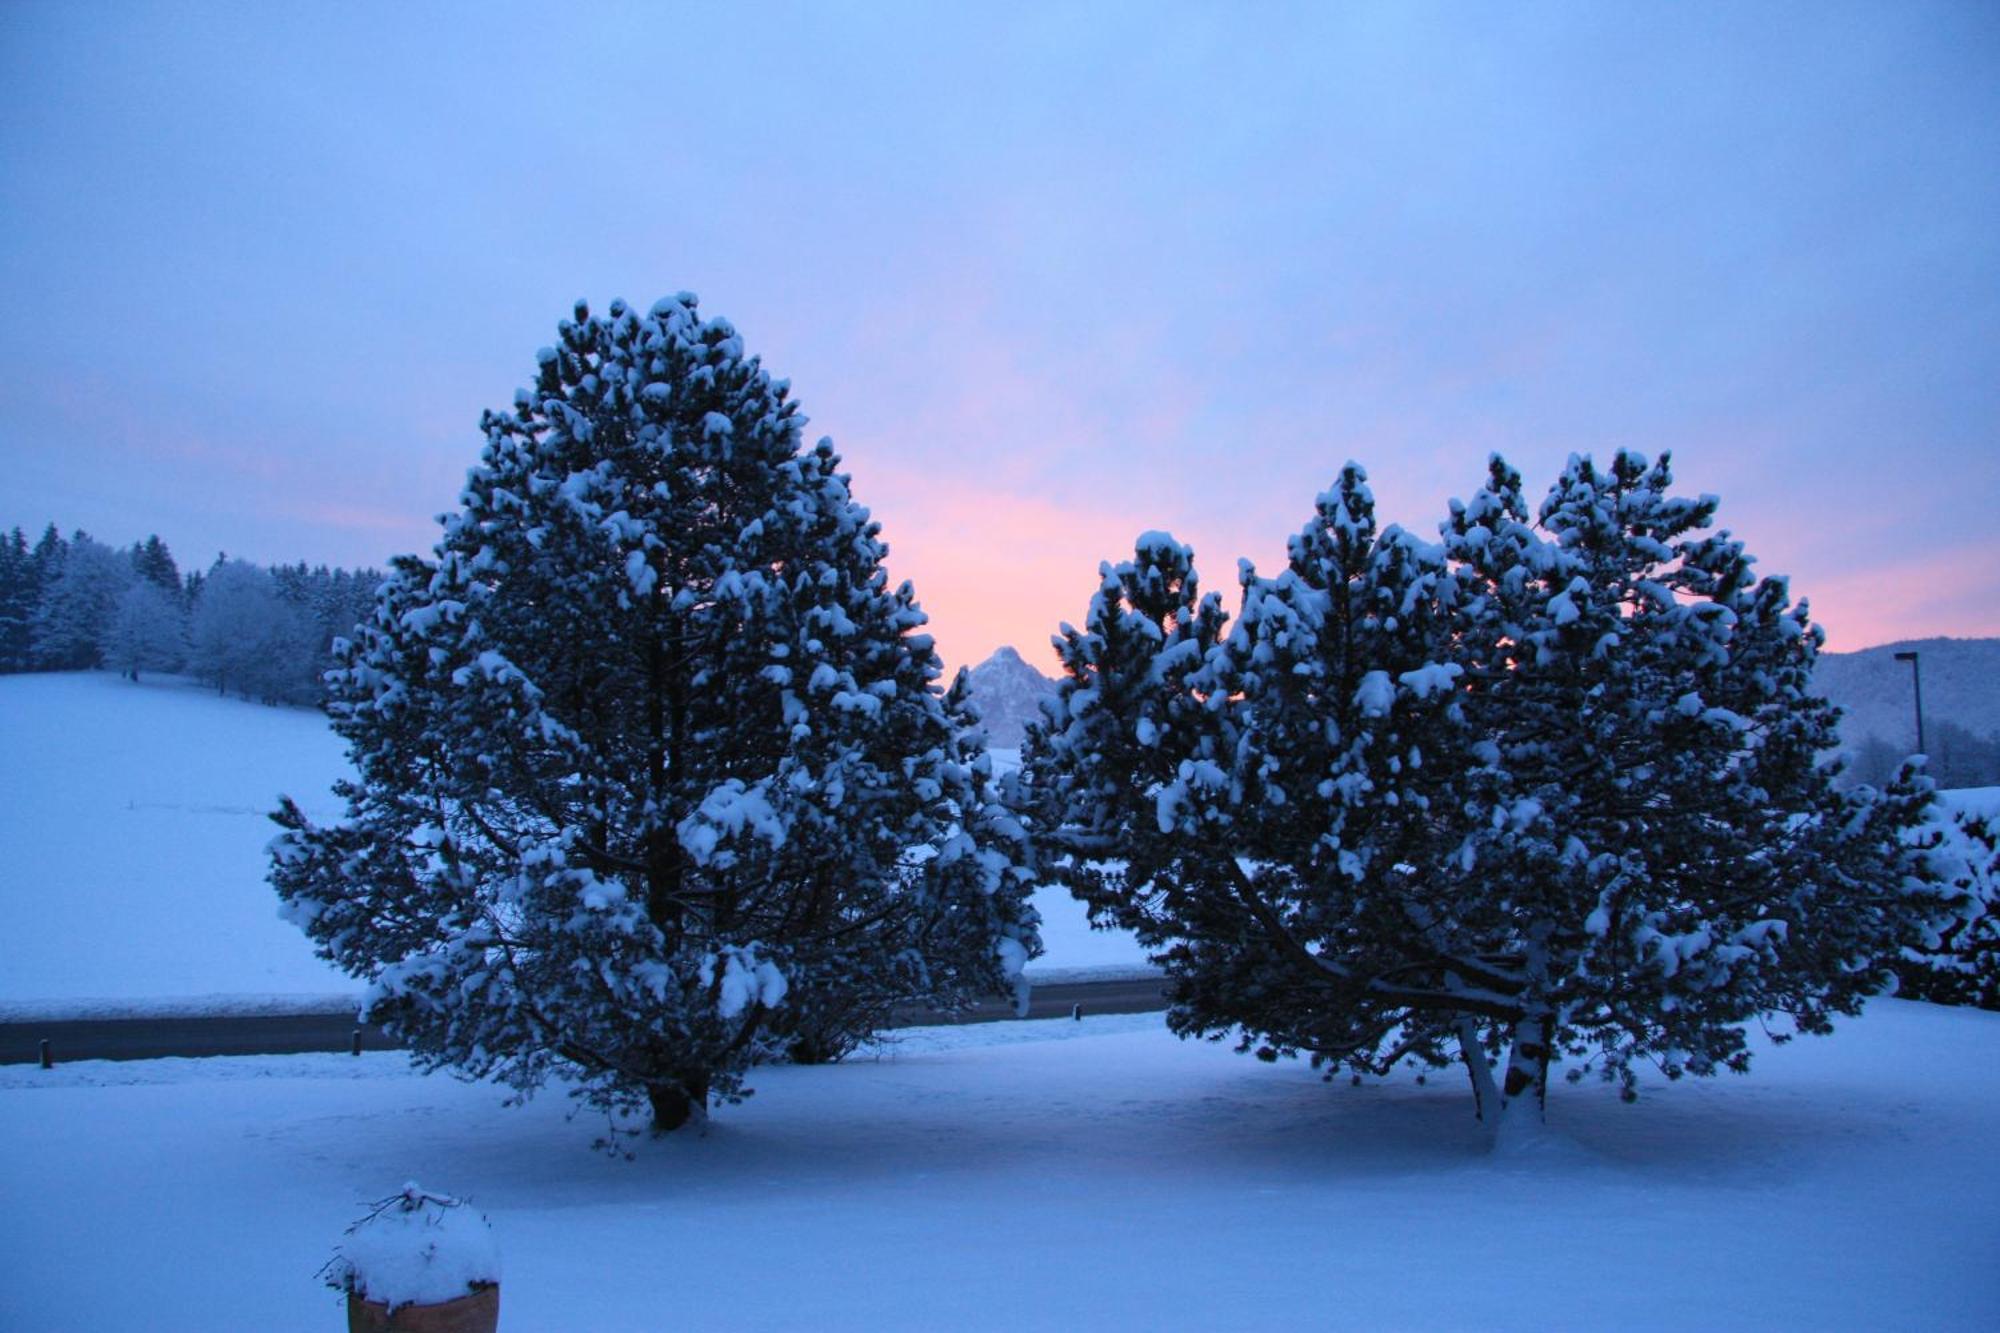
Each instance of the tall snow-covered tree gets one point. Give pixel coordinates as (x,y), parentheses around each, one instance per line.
(154,563)
(1552,786)
(20,593)
(78,600)
(655,780)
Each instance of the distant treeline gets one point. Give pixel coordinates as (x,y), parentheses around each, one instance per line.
(262,632)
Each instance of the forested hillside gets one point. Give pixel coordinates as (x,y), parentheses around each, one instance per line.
(260,632)
(1877,697)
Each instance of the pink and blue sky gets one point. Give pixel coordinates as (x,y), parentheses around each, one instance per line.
(1048,274)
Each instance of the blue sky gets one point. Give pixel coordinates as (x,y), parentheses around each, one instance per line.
(1048,275)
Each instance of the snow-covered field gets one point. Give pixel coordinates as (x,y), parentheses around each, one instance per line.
(1053,1175)
(133,817)
(1045,1175)
(134,822)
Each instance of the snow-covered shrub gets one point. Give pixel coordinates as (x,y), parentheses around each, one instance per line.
(655,779)
(1544,786)
(1957,961)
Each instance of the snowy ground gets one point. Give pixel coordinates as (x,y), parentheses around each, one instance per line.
(134,822)
(1046,1175)
(134,874)
(1049,1175)
(1975,800)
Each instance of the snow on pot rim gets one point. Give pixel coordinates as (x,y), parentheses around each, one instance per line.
(416,1248)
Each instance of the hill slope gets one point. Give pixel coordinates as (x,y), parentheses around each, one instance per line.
(1875,694)
(132,817)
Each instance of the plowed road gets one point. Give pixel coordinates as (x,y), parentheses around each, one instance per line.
(151,1038)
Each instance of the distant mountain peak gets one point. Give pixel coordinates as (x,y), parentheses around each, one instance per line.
(1009,694)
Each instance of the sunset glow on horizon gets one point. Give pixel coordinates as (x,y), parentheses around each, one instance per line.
(1048,277)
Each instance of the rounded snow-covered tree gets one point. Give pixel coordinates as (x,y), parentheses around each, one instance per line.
(655,781)
(148,632)
(1548,786)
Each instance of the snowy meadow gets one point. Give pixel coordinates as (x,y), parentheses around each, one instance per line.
(1048,1175)
(136,865)
(1051,1175)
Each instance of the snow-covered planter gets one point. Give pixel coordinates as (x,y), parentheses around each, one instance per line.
(419,1263)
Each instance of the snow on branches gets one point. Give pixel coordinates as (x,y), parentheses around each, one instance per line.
(1547,786)
(655,779)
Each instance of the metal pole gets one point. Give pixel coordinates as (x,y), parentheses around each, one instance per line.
(1916,680)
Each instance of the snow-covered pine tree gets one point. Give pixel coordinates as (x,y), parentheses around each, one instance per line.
(1282,778)
(1551,787)
(1957,960)
(1657,833)
(153,562)
(79,598)
(655,782)
(1125,723)
(20,593)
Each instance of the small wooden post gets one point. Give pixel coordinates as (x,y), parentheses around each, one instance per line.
(357,1041)
(1076,1012)
(48,1060)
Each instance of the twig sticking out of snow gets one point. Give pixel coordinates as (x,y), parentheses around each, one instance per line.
(415,1248)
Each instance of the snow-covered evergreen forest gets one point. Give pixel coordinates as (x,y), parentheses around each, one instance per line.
(262,632)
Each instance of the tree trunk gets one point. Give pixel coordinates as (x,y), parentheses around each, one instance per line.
(1521,1119)
(1504,1106)
(675,1104)
(1486,1099)
(1528,1062)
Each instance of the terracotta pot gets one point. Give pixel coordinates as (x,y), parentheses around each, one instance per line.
(478,1311)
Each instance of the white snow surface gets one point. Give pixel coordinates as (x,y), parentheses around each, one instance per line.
(1050,1175)
(1973,800)
(418,1248)
(134,818)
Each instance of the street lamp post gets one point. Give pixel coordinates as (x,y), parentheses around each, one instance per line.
(1917,680)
